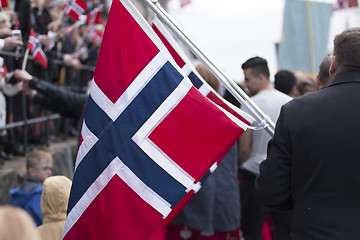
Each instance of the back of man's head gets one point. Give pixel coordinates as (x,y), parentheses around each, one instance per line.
(323,77)
(257,65)
(285,81)
(16,223)
(347,50)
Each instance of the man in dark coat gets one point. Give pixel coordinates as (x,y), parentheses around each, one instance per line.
(313,160)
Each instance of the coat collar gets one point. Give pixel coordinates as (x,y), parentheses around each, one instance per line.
(346,77)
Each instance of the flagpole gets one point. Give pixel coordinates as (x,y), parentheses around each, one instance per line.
(311,37)
(25,59)
(263,120)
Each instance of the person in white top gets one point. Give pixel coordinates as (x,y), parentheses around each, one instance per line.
(7,42)
(253,144)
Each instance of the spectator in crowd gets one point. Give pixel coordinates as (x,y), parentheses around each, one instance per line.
(214,212)
(230,98)
(69,104)
(304,84)
(10,43)
(54,202)
(7,41)
(208,76)
(306,87)
(16,224)
(323,79)
(3,133)
(285,81)
(313,159)
(67,47)
(27,196)
(252,147)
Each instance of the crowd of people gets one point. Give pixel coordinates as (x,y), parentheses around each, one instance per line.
(282,187)
(39,202)
(70,47)
(311,164)
(272,199)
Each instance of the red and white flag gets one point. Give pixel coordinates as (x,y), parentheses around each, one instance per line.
(148,136)
(93,34)
(35,47)
(183,3)
(93,17)
(347,4)
(74,8)
(3,3)
(184,63)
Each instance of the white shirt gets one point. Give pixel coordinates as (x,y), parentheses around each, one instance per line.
(270,102)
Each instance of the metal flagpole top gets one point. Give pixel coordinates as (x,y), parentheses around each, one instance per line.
(262,119)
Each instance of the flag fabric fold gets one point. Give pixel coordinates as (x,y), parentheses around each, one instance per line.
(34,46)
(304,57)
(148,136)
(74,8)
(183,62)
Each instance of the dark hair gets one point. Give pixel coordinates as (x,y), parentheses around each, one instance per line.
(257,65)
(324,76)
(306,87)
(230,98)
(347,49)
(284,81)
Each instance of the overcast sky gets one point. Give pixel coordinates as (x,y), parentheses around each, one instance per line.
(232,31)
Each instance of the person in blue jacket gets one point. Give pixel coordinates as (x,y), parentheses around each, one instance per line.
(28,195)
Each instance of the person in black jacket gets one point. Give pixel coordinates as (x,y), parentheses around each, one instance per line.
(312,165)
(66,103)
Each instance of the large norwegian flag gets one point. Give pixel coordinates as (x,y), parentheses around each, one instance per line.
(3,3)
(74,8)
(184,63)
(35,47)
(148,136)
(93,17)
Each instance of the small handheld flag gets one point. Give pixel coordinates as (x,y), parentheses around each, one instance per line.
(37,52)
(93,17)
(74,8)
(94,34)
